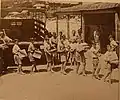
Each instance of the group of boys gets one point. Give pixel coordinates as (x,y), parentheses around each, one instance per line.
(65,50)
(68,50)
(74,49)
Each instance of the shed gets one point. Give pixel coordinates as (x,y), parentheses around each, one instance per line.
(105,16)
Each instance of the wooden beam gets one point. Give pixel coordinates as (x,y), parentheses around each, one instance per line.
(68,26)
(83,27)
(57,25)
(86,12)
(117,27)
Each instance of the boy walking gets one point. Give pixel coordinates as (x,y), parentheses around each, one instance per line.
(95,58)
(17,59)
(31,50)
(112,62)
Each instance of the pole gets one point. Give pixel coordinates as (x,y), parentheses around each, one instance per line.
(57,25)
(82,27)
(116,26)
(68,26)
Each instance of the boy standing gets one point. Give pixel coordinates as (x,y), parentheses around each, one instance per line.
(80,57)
(31,50)
(17,59)
(95,58)
(47,48)
(112,62)
(63,56)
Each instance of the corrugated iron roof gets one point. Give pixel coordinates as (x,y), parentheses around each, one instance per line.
(89,7)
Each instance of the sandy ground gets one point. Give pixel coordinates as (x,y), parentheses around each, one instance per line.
(48,86)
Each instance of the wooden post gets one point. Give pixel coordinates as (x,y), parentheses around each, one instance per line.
(117,38)
(68,27)
(117,27)
(83,27)
(45,19)
(57,25)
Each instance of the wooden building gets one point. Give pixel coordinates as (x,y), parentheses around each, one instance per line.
(106,16)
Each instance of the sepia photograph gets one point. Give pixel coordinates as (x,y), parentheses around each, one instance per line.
(59,50)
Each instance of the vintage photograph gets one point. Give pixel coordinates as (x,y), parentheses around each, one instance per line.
(59,50)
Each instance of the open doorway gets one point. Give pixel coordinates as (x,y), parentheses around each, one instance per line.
(106,24)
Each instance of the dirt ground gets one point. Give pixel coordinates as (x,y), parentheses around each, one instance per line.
(55,86)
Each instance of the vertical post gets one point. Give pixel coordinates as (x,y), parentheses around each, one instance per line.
(57,25)
(117,27)
(83,27)
(68,26)
(45,19)
(0,13)
(0,9)
(117,38)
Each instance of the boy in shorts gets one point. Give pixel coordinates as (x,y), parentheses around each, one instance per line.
(63,55)
(31,50)
(80,57)
(112,62)
(17,59)
(95,58)
(47,48)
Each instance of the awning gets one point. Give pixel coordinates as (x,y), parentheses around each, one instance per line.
(89,7)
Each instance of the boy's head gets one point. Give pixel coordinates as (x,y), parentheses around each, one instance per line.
(73,32)
(16,41)
(64,37)
(110,38)
(32,40)
(108,48)
(54,34)
(93,45)
(60,33)
(1,33)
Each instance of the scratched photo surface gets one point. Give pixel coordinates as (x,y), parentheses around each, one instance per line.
(59,49)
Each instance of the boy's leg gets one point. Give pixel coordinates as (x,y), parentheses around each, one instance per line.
(50,67)
(83,68)
(97,72)
(20,69)
(71,63)
(35,66)
(63,68)
(108,72)
(95,65)
(53,60)
(47,66)
(77,67)
(93,72)
(32,68)
(109,77)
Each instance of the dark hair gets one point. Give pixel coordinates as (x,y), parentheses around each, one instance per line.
(16,40)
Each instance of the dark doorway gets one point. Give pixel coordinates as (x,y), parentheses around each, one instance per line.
(106,24)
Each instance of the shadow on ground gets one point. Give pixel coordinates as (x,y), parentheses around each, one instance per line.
(114,81)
